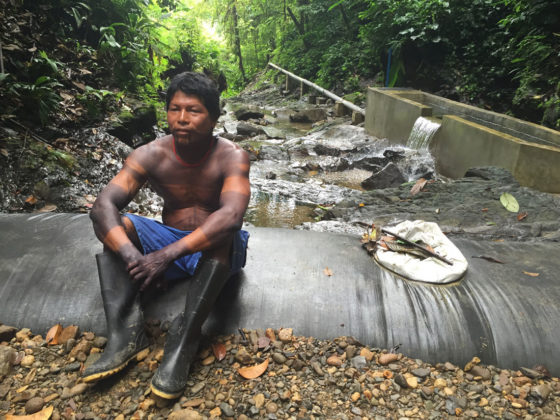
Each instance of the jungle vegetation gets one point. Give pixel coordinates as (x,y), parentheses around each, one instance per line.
(502,55)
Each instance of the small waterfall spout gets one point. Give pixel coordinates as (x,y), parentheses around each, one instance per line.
(421,133)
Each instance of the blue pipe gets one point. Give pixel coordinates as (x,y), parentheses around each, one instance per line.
(388,66)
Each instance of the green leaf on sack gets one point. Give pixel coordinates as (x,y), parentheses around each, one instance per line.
(509,202)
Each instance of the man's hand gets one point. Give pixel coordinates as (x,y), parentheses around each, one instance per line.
(148,268)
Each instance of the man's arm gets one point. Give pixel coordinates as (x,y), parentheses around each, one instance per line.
(217,228)
(114,197)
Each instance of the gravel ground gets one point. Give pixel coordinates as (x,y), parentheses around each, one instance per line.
(302,378)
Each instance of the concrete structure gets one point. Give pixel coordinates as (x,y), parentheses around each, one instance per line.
(469,136)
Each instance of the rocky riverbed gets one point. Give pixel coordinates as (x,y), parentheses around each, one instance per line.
(291,378)
(318,172)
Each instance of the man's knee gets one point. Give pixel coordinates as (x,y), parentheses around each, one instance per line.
(130,230)
(221,253)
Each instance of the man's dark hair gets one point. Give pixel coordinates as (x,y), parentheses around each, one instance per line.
(191,83)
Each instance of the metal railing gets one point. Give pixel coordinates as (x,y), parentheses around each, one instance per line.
(323,91)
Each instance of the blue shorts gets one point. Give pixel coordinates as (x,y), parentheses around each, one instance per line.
(154,235)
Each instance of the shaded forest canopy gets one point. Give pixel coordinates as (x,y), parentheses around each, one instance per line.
(502,55)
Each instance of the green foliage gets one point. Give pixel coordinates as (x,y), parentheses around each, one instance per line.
(38,98)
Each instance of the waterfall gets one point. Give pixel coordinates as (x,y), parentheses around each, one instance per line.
(421,133)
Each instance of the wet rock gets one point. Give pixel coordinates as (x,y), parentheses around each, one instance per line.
(247,129)
(274,153)
(389,176)
(309,115)
(244,114)
(136,127)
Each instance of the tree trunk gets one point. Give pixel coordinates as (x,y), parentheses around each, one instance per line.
(237,41)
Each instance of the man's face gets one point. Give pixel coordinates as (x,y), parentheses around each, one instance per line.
(188,118)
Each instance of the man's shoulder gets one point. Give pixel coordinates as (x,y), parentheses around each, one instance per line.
(230,148)
(155,147)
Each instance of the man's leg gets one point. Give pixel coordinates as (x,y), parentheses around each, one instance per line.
(125,323)
(184,335)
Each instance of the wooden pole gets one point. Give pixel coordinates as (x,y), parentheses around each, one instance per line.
(325,92)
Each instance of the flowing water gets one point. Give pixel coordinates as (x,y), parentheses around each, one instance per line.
(300,171)
(422,132)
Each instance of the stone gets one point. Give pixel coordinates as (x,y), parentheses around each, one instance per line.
(34,404)
(386,358)
(481,371)
(99,342)
(340,109)
(531,373)
(247,113)
(317,368)
(248,129)
(285,334)
(359,362)
(540,393)
(259,400)
(186,414)
(279,358)
(309,115)
(440,383)
(400,380)
(389,176)
(421,372)
(75,390)
(368,354)
(7,332)
(412,382)
(197,387)
(243,357)
(227,410)
(334,360)
(7,360)
(27,360)
(357,117)
(271,407)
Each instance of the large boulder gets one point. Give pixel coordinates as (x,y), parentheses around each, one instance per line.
(135,127)
(389,176)
(247,113)
(309,115)
(248,129)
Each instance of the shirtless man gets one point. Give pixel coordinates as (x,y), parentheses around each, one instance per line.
(204,182)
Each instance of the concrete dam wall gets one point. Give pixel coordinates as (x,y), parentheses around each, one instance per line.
(469,136)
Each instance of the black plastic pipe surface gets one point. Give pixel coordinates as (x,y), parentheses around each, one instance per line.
(496,312)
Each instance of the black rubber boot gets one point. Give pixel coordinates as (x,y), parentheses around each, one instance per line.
(184,335)
(125,323)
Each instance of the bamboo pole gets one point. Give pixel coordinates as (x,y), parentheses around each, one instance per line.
(325,92)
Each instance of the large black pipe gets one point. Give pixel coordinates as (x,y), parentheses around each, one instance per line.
(497,312)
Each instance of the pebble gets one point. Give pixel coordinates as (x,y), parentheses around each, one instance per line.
(309,378)
(386,358)
(285,335)
(34,404)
